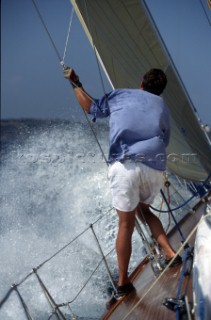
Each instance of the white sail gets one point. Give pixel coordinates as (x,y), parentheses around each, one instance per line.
(127,45)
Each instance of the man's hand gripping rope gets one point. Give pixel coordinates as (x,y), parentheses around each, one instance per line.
(72,77)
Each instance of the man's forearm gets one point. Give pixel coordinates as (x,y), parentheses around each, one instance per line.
(83,98)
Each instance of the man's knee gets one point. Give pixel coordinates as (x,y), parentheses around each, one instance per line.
(126,219)
(143,211)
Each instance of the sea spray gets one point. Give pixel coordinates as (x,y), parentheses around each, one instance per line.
(53,186)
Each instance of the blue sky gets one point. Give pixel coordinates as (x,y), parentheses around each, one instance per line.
(32,83)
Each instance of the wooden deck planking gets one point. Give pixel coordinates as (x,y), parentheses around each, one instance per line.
(151,307)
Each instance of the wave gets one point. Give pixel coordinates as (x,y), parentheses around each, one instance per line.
(54,185)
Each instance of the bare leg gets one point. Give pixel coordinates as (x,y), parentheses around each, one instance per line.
(123,244)
(156,228)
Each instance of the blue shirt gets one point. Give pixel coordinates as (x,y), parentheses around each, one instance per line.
(139,126)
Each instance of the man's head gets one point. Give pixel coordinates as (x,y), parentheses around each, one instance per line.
(154,81)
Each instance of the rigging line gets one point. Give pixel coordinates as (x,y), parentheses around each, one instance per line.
(175,221)
(48,33)
(52,42)
(176,208)
(187,201)
(162,273)
(68,33)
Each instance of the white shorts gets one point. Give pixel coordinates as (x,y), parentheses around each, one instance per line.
(133,182)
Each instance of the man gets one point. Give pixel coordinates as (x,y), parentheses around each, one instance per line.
(139,134)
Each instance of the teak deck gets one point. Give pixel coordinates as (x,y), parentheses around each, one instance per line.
(151,307)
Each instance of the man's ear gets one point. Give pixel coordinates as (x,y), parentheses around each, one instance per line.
(142,85)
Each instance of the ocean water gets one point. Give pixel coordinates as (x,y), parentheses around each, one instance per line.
(53,186)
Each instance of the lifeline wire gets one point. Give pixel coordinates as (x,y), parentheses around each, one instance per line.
(47,260)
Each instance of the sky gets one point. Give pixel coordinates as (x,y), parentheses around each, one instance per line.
(32,83)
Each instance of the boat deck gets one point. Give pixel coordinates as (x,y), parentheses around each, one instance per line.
(151,303)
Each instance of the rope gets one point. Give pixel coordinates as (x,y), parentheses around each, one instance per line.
(187,201)
(68,33)
(48,33)
(175,221)
(159,277)
(174,209)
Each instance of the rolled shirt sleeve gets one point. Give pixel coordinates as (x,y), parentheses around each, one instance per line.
(100,107)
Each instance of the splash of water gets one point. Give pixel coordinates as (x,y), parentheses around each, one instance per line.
(54,184)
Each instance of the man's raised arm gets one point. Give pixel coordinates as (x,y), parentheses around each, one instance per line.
(84,99)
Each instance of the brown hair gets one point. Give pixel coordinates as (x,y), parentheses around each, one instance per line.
(154,81)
